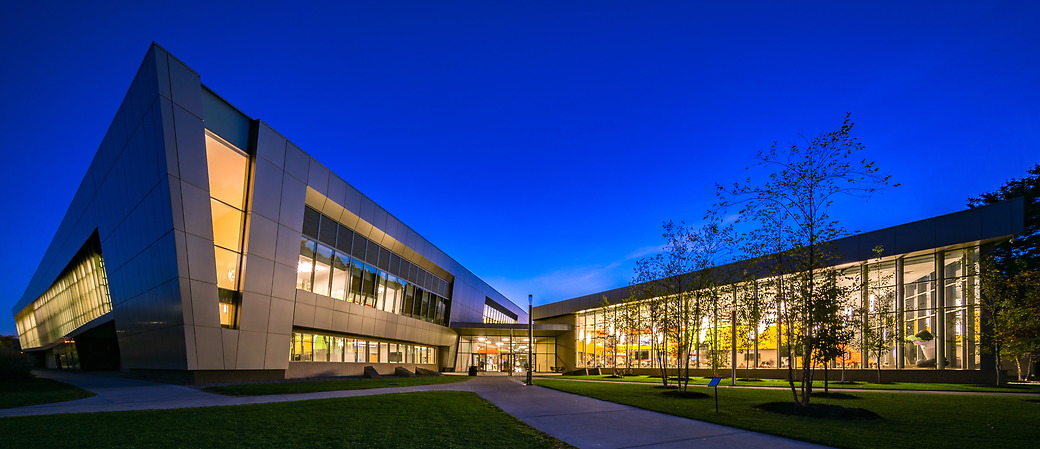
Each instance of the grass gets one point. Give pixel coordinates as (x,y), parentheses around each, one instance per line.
(908,420)
(329,385)
(38,391)
(1014,387)
(441,419)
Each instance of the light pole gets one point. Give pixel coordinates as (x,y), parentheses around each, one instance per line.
(530,338)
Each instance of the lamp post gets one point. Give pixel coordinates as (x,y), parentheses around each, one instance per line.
(530,338)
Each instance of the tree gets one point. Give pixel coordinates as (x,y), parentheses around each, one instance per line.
(10,341)
(880,325)
(793,207)
(647,292)
(749,316)
(1009,279)
(835,331)
(679,286)
(612,336)
(1011,306)
(1024,247)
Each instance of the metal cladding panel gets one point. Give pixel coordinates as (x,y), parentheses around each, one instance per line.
(191,147)
(185,87)
(318,177)
(252,347)
(270,145)
(290,212)
(257,274)
(267,189)
(296,162)
(261,237)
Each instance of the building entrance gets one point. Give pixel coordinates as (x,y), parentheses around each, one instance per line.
(505,353)
(506,363)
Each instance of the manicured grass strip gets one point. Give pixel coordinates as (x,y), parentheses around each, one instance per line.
(38,391)
(422,419)
(1012,388)
(330,385)
(909,420)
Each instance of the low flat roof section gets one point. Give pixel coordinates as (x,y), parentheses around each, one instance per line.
(509,329)
(978,225)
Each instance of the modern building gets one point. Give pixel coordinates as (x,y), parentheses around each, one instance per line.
(921,296)
(203,246)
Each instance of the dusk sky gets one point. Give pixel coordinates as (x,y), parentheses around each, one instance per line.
(540,144)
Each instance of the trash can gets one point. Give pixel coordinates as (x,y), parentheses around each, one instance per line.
(472,371)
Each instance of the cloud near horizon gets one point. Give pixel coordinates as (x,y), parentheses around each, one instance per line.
(569,282)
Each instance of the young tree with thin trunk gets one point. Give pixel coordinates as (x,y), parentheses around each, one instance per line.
(648,293)
(834,332)
(794,202)
(880,325)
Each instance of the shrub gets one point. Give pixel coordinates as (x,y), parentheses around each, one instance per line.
(14,365)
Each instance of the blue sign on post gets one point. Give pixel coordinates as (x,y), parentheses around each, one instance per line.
(715,383)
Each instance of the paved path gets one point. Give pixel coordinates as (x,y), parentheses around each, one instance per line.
(581,421)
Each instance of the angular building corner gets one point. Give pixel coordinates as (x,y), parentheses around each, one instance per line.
(203,246)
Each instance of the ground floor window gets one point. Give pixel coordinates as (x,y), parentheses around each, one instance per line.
(919,311)
(310,347)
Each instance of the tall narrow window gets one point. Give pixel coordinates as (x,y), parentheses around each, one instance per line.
(228,178)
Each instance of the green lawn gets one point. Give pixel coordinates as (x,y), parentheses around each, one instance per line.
(1012,388)
(909,420)
(38,391)
(330,385)
(440,419)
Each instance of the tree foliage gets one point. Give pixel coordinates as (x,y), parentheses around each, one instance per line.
(880,324)
(791,207)
(1012,306)
(1011,279)
(1024,247)
(681,286)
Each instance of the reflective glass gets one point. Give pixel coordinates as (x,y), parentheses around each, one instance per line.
(919,268)
(227,268)
(373,352)
(227,226)
(350,350)
(322,270)
(229,303)
(227,172)
(355,283)
(361,348)
(339,277)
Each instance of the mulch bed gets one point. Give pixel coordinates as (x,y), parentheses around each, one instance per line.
(822,411)
(685,394)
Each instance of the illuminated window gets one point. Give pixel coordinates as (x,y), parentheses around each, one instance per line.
(79,295)
(332,263)
(228,178)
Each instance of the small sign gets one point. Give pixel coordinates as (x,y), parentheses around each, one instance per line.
(714,381)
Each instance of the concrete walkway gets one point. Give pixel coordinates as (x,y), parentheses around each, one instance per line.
(581,421)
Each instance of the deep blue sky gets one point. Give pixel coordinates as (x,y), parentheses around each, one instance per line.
(539,143)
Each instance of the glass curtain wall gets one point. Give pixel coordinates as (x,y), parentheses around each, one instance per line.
(78,296)
(895,299)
